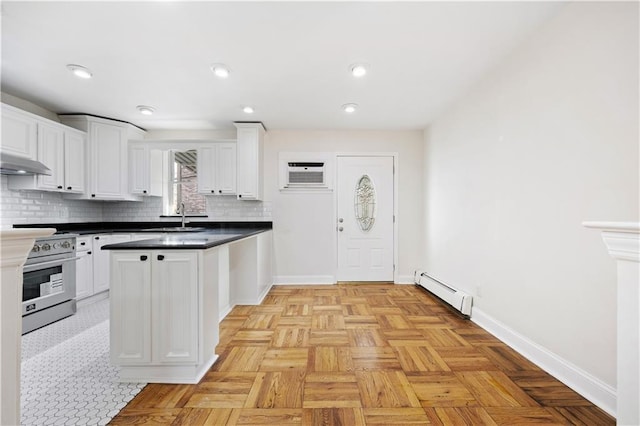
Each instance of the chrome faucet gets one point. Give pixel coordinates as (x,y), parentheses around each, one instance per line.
(182,212)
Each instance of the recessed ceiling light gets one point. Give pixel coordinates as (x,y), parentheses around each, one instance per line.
(358,70)
(220,70)
(146,110)
(80,71)
(248,110)
(350,108)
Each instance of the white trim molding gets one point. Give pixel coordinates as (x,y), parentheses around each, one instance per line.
(304,280)
(593,389)
(15,245)
(405,279)
(623,244)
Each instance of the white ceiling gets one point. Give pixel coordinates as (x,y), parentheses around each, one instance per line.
(290,61)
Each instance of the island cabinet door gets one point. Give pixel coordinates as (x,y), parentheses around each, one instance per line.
(174,306)
(130,305)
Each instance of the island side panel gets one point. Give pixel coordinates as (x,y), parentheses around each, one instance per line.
(224,304)
(250,269)
(243,274)
(210,273)
(265,263)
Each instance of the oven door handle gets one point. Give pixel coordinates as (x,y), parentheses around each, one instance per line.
(36,266)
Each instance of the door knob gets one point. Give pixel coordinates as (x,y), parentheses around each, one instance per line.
(340,229)
(341,220)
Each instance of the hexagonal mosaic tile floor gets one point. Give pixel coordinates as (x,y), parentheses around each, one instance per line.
(66,375)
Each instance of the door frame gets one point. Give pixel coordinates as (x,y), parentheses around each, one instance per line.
(395,205)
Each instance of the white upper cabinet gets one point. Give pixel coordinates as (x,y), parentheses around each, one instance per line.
(75,161)
(108,166)
(19,132)
(145,170)
(51,154)
(217,169)
(60,148)
(249,164)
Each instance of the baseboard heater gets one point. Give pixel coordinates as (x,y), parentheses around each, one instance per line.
(458,300)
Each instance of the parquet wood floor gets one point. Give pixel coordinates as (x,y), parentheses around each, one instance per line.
(361,354)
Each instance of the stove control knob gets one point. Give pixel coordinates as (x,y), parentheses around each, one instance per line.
(56,246)
(46,247)
(36,248)
(66,244)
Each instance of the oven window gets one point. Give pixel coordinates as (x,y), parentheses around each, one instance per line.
(41,283)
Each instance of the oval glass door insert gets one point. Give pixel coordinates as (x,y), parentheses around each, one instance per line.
(365,203)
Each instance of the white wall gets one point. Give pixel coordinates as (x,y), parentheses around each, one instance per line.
(547,140)
(304,224)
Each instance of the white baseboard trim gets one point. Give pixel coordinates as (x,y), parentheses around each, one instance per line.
(593,389)
(303,279)
(224,312)
(92,299)
(405,279)
(253,302)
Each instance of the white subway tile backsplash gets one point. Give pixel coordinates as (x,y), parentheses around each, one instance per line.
(20,207)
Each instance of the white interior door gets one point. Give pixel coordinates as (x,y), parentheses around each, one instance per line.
(365,218)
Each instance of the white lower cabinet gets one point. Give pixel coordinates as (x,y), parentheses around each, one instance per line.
(174,299)
(84,267)
(130,316)
(164,314)
(101,259)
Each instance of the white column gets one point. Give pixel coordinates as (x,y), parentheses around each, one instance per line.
(623,243)
(15,245)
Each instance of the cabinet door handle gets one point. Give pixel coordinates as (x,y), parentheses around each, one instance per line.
(144,191)
(88,252)
(213,191)
(82,243)
(97,238)
(59,186)
(143,258)
(160,257)
(93,195)
(69,188)
(220,191)
(239,195)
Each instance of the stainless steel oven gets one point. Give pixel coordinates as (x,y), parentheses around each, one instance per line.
(49,282)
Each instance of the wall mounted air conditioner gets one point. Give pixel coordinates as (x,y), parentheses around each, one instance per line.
(458,300)
(310,172)
(305,174)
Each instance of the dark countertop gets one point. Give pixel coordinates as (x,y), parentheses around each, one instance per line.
(82,228)
(199,235)
(201,240)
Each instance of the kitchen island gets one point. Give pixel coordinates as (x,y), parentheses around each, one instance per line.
(168,294)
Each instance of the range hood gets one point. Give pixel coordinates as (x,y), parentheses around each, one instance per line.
(15,165)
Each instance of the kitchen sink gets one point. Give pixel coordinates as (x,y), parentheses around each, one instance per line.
(178,229)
